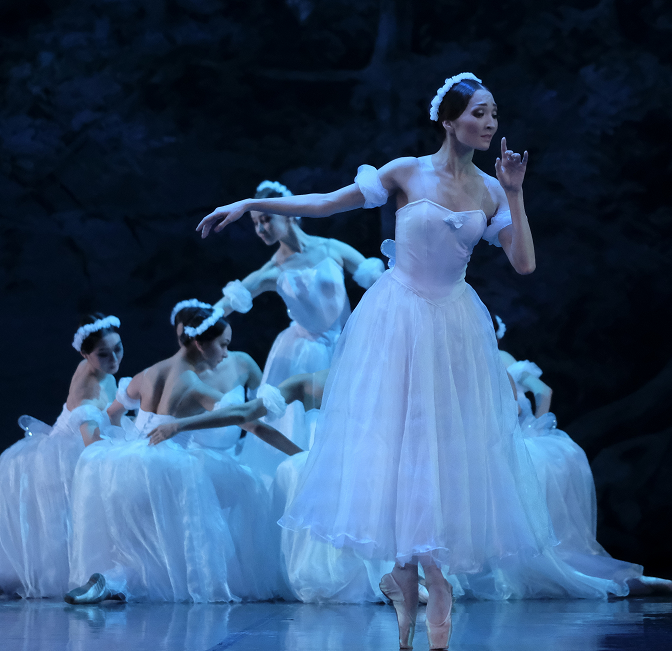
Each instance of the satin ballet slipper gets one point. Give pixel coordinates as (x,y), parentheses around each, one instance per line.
(439,634)
(406,622)
(92,592)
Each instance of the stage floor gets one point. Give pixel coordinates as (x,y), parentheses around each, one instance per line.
(644,623)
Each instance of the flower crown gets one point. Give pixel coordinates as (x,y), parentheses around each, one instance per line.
(501,328)
(441,93)
(192,302)
(217,314)
(83,332)
(283,190)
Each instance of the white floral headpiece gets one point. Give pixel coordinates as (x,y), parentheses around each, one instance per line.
(277,187)
(501,328)
(441,93)
(83,332)
(216,315)
(192,302)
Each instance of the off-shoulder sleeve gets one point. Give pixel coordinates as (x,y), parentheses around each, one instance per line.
(239,296)
(273,401)
(368,272)
(499,221)
(370,186)
(84,414)
(123,397)
(519,370)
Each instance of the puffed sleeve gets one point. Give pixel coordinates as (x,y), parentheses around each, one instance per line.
(368,272)
(85,414)
(519,370)
(370,186)
(499,221)
(123,397)
(239,297)
(273,401)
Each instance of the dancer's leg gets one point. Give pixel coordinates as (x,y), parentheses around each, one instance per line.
(439,605)
(401,587)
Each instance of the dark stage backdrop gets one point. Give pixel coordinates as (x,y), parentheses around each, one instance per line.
(123,122)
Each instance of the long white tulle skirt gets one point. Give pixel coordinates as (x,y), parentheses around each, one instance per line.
(419,451)
(294,351)
(172,522)
(35,505)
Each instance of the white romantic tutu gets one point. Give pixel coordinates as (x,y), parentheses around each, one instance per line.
(419,450)
(314,570)
(35,505)
(172,522)
(318,304)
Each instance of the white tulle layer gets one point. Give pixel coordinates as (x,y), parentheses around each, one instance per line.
(172,522)
(419,452)
(314,570)
(294,351)
(35,505)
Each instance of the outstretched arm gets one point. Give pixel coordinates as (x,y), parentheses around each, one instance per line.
(516,239)
(271,436)
(302,205)
(306,205)
(232,415)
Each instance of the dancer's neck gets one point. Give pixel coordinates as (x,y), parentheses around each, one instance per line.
(454,158)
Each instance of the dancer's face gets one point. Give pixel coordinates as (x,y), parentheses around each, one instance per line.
(216,350)
(107,354)
(270,228)
(477,125)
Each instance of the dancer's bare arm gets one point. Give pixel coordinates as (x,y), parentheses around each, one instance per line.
(271,436)
(259,281)
(516,239)
(232,415)
(305,205)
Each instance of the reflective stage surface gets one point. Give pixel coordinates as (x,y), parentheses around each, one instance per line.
(478,626)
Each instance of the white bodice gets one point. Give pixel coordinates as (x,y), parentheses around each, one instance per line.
(433,248)
(315,296)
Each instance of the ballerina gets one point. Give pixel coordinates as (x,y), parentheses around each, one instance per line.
(36,472)
(175,521)
(567,482)
(307,272)
(419,455)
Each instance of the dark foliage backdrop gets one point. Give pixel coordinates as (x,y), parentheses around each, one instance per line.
(124,121)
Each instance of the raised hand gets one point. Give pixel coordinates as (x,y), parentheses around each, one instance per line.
(222,217)
(163,432)
(510,169)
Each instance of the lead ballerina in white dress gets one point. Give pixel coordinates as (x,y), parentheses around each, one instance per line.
(419,456)
(307,272)
(36,472)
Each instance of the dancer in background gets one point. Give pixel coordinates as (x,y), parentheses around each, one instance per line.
(176,521)
(307,272)
(567,483)
(36,472)
(418,456)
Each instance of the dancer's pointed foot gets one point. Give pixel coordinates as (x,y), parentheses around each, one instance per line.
(92,592)
(406,607)
(439,634)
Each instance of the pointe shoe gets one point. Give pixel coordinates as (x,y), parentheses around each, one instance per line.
(406,622)
(439,634)
(92,592)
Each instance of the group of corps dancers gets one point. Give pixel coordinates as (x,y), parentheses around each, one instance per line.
(394,437)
